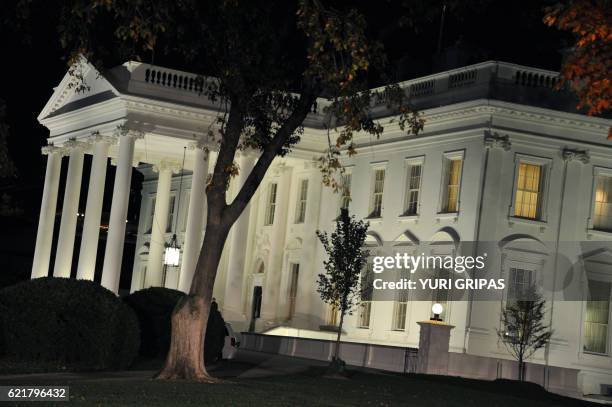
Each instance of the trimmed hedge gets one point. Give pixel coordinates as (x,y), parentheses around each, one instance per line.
(153,307)
(75,324)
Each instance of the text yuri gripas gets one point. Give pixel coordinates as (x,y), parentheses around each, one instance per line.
(457,264)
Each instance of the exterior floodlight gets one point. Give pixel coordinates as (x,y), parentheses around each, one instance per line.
(437,309)
(172,253)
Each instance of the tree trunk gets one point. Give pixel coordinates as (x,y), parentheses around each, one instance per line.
(521,369)
(185,359)
(337,350)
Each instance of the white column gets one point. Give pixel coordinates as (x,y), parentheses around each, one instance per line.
(237,249)
(157,246)
(46,220)
(193,231)
(70,208)
(93,209)
(111,270)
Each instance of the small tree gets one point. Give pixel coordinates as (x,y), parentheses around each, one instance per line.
(340,286)
(523,330)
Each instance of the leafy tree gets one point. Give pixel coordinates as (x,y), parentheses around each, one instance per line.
(523,330)
(341,286)
(587,68)
(265,64)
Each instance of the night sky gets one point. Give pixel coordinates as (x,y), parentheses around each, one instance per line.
(33,63)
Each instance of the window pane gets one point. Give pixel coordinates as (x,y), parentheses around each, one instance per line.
(597,317)
(528,190)
(170,224)
(346,191)
(300,213)
(379,183)
(602,219)
(411,201)
(271,205)
(453,184)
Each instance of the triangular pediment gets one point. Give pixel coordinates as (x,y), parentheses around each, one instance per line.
(68,95)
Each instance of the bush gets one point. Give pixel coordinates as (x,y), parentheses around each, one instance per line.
(153,307)
(75,324)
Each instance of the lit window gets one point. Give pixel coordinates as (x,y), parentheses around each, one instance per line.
(413,189)
(345,198)
(528,191)
(602,219)
(271,204)
(300,211)
(452,185)
(377,196)
(333,315)
(597,316)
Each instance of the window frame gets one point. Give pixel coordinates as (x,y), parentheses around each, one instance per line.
(270,207)
(608,345)
(301,203)
(546,165)
(347,173)
(375,167)
(597,172)
(409,163)
(447,157)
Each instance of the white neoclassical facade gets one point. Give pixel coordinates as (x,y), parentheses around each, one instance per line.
(503,158)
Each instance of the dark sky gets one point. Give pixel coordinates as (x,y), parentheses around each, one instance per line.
(33,63)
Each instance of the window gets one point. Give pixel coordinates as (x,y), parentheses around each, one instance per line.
(170,224)
(400,307)
(377,196)
(596,321)
(452,185)
(519,284)
(528,195)
(345,198)
(413,189)
(333,316)
(602,219)
(365,307)
(151,214)
(293,286)
(271,204)
(300,210)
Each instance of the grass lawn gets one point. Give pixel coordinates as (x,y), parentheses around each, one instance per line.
(302,389)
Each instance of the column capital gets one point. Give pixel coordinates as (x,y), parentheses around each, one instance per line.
(569,154)
(51,149)
(494,140)
(201,143)
(96,137)
(167,165)
(123,130)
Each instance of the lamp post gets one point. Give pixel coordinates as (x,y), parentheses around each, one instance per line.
(172,253)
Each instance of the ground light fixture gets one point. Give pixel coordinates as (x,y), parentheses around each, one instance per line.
(437,310)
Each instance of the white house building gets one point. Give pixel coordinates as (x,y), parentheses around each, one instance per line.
(502,158)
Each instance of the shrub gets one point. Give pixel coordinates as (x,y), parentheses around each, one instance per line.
(153,307)
(75,324)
